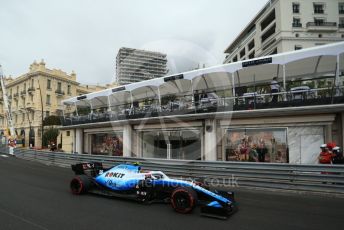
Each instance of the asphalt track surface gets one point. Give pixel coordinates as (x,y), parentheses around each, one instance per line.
(34,196)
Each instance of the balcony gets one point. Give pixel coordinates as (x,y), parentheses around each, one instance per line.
(59,92)
(319,11)
(31,90)
(30,105)
(23,93)
(322,26)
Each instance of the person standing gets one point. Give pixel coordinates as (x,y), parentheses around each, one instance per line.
(275,87)
(196,99)
(325,156)
(262,151)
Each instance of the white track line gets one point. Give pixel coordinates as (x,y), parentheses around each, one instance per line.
(4,155)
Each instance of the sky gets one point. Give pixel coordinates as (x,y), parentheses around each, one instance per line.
(85,35)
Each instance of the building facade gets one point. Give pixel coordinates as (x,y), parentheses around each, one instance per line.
(287,25)
(200,115)
(134,65)
(36,95)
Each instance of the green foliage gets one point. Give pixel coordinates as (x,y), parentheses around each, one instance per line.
(50,135)
(52,120)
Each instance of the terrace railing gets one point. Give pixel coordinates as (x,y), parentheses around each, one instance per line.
(249,101)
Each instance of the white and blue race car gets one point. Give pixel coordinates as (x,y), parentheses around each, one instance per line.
(130,182)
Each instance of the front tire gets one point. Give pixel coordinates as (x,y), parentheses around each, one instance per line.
(183,200)
(80,184)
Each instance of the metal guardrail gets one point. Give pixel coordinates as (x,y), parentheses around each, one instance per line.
(301,178)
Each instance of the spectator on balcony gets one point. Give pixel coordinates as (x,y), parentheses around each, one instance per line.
(275,87)
(196,98)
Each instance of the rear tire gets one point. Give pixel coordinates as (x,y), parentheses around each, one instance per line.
(80,184)
(183,200)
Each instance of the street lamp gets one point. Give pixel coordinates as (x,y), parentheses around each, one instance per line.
(42,125)
(26,110)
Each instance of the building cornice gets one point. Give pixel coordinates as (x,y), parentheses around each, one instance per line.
(40,73)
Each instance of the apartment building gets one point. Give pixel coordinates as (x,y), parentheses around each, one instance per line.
(288,25)
(134,65)
(35,94)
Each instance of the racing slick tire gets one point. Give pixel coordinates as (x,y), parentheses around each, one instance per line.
(80,184)
(183,199)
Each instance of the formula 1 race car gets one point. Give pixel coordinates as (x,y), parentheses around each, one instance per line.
(128,181)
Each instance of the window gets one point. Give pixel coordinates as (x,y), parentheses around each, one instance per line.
(319,21)
(48,84)
(23,117)
(69,89)
(341,7)
(32,83)
(318,8)
(256,145)
(172,144)
(297,35)
(297,22)
(267,21)
(48,99)
(268,33)
(59,85)
(24,86)
(320,36)
(235,59)
(68,134)
(47,113)
(341,23)
(296,8)
(274,52)
(251,45)
(107,144)
(298,47)
(17,89)
(242,52)
(251,55)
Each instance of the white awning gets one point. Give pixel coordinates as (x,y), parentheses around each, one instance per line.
(307,62)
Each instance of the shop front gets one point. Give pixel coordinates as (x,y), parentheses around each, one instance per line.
(108,143)
(256,145)
(183,144)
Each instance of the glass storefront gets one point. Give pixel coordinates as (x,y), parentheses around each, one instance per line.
(256,145)
(107,144)
(173,144)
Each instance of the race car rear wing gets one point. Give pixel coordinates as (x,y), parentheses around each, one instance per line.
(91,169)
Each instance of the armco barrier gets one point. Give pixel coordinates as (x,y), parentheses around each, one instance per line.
(303,178)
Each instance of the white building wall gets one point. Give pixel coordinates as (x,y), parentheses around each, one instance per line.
(285,34)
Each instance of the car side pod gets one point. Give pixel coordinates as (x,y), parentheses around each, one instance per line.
(215,210)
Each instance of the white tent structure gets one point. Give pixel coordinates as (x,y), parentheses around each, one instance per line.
(312,62)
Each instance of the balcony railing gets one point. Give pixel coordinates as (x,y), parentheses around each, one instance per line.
(31,89)
(59,92)
(319,11)
(322,24)
(30,105)
(297,24)
(296,97)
